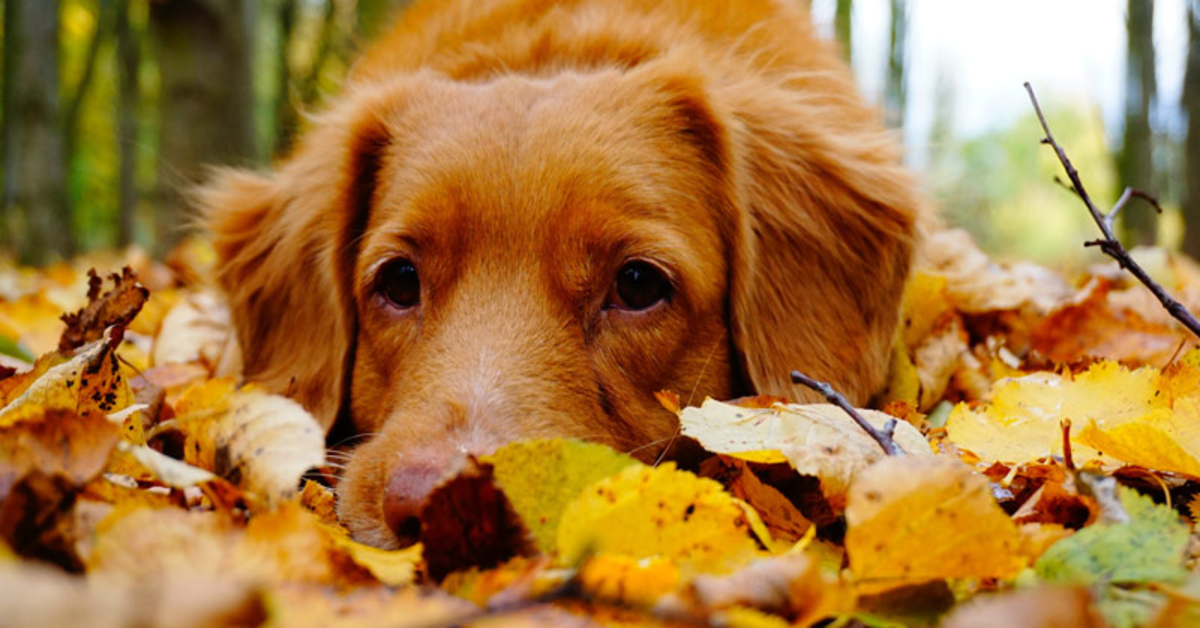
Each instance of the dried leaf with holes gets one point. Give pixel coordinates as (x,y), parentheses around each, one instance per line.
(118,306)
(89,383)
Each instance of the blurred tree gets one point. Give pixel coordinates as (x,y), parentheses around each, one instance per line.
(286,113)
(1191,150)
(129,56)
(1135,162)
(374,15)
(105,11)
(35,178)
(894,93)
(206,99)
(843,27)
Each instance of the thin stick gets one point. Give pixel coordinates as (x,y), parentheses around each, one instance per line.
(1109,243)
(884,438)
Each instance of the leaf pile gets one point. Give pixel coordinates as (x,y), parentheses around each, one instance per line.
(1050,477)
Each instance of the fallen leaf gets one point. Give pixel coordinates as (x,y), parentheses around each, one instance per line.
(196,329)
(118,306)
(260,442)
(816,439)
(648,512)
(900,504)
(90,382)
(1146,550)
(1042,607)
(541,477)
(468,522)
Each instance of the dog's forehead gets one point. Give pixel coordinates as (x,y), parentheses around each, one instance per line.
(528,148)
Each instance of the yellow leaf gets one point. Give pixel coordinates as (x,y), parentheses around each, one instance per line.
(904,383)
(912,520)
(90,382)
(1021,422)
(659,512)
(816,439)
(1162,439)
(633,581)
(541,477)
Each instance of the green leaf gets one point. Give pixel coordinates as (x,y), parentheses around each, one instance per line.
(541,477)
(1148,549)
(12,348)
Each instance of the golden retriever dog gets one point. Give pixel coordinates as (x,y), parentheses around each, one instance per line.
(522,218)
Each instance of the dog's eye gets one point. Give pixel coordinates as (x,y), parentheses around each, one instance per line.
(639,286)
(399,284)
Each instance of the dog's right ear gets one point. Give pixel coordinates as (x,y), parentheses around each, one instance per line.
(286,244)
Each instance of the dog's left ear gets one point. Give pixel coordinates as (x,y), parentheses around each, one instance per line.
(817,217)
(286,244)
(827,231)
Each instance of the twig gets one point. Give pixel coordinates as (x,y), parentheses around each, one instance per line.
(1109,243)
(1068,457)
(884,438)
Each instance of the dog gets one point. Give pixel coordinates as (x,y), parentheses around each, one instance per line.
(522,218)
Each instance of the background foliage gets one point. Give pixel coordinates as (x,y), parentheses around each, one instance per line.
(112,108)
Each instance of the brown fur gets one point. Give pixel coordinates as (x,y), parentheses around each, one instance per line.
(519,151)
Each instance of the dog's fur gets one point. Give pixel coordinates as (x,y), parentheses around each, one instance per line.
(519,152)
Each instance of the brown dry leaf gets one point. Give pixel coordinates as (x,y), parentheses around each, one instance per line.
(912,520)
(90,382)
(197,329)
(816,439)
(781,517)
(1043,607)
(976,284)
(1093,326)
(301,606)
(42,596)
(468,522)
(118,306)
(937,358)
(791,585)
(289,545)
(58,442)
(262,443)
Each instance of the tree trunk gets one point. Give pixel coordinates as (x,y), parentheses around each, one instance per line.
(286,114)
(35,190)
(895,93)
(843,27)
(1135,163)
(1191,150)
(74,106)
(128,95)
(206,100)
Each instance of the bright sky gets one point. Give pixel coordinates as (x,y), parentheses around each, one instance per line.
(1071,50)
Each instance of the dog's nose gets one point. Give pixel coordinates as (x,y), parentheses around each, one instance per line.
(408,489)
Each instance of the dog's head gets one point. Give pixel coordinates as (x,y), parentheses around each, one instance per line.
(459,265)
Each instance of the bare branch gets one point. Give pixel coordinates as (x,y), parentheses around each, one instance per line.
(884,438)
(1109,243)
